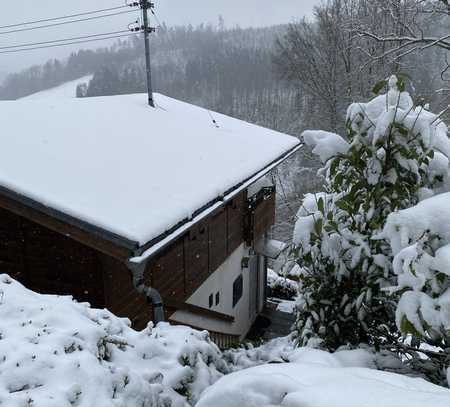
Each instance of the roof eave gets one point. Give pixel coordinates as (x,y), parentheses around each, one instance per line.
(157,244)
(84,232)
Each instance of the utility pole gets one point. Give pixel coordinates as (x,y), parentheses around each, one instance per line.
(145,6)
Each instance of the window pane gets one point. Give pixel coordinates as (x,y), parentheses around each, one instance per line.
(237,289)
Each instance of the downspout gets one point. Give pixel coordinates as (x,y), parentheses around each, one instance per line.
(152,295)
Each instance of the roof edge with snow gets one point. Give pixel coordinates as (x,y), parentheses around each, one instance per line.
(136,251)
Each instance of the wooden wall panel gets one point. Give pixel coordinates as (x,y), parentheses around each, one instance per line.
(59,265)
(121,297)
(218,233)
(12,259)
(167,271)
(196,245)
(48,262)
(235,213)
(263,217)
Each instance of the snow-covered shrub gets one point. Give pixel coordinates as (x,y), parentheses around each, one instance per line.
(55,352)
(420,239)
(281,287)
(388,163)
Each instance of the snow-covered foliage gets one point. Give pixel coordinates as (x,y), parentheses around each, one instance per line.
(420,240)
(312,378)
(281,287)
(396,155)
(55,352)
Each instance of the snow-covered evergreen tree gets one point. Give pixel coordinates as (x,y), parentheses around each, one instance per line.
(384,166)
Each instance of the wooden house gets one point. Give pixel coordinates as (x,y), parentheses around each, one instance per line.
(152,213)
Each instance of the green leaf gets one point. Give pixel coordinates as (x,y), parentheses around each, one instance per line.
(318,226)
(320,206)
(342,205)
(407,327)
(379,86)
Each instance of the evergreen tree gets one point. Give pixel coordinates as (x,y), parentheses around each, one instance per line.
(381,169)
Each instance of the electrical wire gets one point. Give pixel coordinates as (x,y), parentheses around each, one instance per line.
(67,22)
(69,43)
(66,17)
(210,114)
(63,40)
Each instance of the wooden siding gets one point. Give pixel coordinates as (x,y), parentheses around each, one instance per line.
(48,262)
(121,298)
(261,216)
(236,211)
(218,239)
(181,268)
(197,256)
(264,217)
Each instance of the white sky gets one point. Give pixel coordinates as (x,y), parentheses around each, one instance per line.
(245,13)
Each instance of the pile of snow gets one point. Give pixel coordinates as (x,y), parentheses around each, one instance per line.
(314,378)
(55,352)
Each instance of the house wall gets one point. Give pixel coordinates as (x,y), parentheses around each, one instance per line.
(181,268)
(221,281)
(48,262)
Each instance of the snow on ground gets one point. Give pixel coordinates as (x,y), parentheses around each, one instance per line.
(313,378)
(118,164)
(57,353)
(65,91)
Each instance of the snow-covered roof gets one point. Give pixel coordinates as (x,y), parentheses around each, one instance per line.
(117,164)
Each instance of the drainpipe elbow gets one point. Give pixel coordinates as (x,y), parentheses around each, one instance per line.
(153,296)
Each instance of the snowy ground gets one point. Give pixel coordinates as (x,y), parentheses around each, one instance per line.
(55,352)
(311,378)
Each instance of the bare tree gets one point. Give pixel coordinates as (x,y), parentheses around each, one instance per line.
(323,58)
(417,26)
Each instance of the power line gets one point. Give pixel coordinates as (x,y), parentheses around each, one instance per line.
(63,40)
(67,16)
(67,22)
(68,43)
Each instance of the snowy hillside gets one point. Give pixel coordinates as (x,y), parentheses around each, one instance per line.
(65,91)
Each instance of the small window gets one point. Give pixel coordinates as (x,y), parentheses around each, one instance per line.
(237,290)
(217,299)
(211,301)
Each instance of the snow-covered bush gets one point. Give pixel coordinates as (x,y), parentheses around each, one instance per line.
(55,352)
(389,162)
(420,240)
(281,287)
